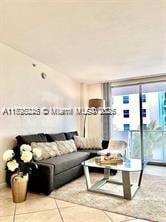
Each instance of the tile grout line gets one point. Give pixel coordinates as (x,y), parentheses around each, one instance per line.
(129,220)
(14,213)
(31,212)
(59,211)
(74,204)
(108,216)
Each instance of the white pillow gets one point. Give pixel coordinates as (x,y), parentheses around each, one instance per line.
(66,146)
(88,143)
(47,150)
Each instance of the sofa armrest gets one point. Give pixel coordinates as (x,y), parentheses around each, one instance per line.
(43,179)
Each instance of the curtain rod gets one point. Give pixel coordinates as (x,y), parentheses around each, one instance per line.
(137,81)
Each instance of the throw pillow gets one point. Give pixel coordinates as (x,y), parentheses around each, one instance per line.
(88,143)
(47,149)
(67,146)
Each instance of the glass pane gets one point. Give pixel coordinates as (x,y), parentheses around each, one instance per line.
(126,123)
(155,122)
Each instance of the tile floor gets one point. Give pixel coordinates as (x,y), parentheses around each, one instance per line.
(40,208)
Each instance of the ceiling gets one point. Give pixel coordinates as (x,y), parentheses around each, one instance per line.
(91,40)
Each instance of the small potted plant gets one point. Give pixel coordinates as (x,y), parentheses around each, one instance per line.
(21,167)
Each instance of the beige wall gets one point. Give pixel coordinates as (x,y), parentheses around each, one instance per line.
(21,85)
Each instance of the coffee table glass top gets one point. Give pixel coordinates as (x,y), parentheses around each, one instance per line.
(127,165)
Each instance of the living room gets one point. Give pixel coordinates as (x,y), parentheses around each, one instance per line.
(85,80)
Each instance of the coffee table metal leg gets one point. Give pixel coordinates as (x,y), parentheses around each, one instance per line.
(126,185)
(87,177)
(106,173)
(129,190)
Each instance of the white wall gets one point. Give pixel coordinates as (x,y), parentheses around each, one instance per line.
(91,40)
(21,85)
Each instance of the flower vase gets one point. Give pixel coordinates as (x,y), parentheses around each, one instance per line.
(19,184)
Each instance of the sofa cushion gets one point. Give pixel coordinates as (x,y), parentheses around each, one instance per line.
(88,143)
(67,161)
(57,136)
(66,146)
(28,139)
(70,135)
(48,149)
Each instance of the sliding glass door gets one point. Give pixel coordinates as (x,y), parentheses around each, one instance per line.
(154,121)
(126,122)
(150,117)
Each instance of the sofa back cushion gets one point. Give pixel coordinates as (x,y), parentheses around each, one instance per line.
(88,143)
(67,146)
(70,135)
(57,136)
(28,139)
(48,149)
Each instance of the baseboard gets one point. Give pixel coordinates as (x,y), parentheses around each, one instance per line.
(157,163)
(2,185)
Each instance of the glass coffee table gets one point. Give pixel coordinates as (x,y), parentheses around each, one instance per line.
(125,188)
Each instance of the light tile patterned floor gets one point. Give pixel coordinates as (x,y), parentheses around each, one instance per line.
(40,208)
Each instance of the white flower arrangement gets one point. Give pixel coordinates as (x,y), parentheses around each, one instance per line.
(12,165)
(26,156)
(25,147)
(8,155)
(25,162)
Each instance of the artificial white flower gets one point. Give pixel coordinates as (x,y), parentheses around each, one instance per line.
(25,147)
(8,155)
(26,156)
(37,153)
(12,165)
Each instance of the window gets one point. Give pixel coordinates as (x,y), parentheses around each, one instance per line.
(125,99)
(126,113)
(165,101)
(143,112)
(144,98)
(112,100)
(126,127)
(144,126)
